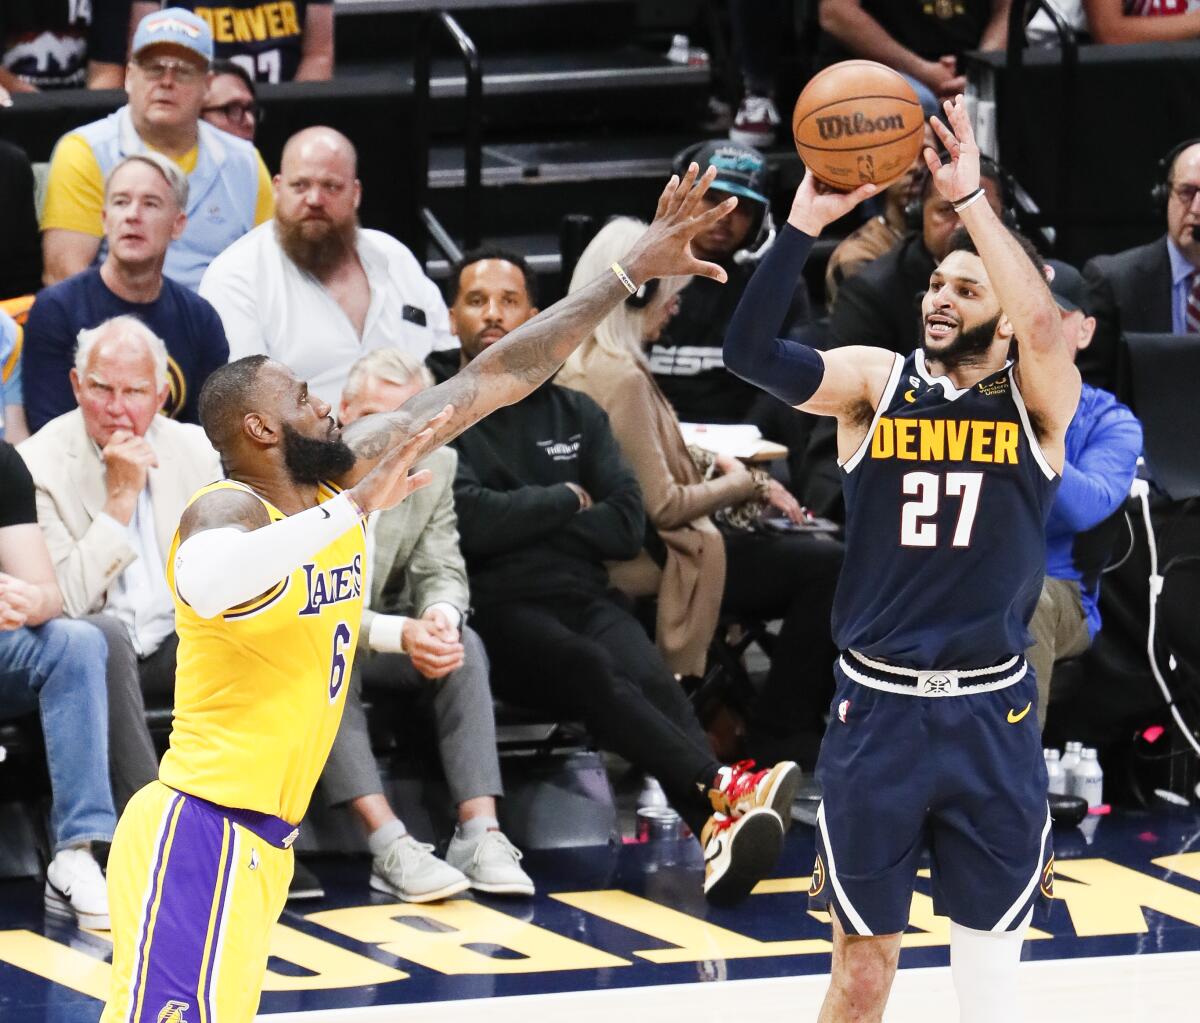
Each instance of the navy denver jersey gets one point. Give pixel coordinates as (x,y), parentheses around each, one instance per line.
(946,504)
(265,36)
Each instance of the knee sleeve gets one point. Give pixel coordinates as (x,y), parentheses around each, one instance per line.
(984,968)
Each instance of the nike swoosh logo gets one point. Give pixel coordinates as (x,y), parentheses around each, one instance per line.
(1014,717)
(325,512)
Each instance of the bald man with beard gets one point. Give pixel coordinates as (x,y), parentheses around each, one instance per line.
(314,290)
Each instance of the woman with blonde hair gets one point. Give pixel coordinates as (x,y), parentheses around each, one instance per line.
(698,568)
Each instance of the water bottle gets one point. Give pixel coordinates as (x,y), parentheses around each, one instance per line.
(1070,762)
(1057,781)
(1089,779)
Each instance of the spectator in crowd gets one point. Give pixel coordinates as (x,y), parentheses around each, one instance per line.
(274,40)
(700,568)
(417,641)
(879,234)
(113,477)
(62,44)
(229,187)
(1152,288)
(1141,21)
(758,26)
(880,305)
(56,667)
(544,500)
(231,102)
(924,42)
(21,253)
(686,361)
(145,196)
(1104,441)
(313,289)
(13,427)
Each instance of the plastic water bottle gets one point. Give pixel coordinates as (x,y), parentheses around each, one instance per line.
(1070,762)
(1054,772)
(1089,779)
(680,51)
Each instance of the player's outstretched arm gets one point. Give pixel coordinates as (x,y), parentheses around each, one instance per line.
(1046,370)
(826,383)
(512,368)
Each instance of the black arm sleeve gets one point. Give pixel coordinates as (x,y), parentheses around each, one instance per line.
(789,370)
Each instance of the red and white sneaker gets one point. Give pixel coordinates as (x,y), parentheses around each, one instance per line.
(739,788)
(755,123)
(738,853)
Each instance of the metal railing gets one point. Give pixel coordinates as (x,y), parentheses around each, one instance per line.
(472,133)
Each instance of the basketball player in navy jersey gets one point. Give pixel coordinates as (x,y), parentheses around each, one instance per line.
(950,459)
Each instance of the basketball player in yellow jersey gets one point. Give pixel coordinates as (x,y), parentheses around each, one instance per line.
(267,573)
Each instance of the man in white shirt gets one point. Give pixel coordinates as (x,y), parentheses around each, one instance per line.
(314,290)
(112,478)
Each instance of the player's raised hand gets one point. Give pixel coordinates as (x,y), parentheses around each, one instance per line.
(389,482)
(960,177)
(816,205)
(665,248)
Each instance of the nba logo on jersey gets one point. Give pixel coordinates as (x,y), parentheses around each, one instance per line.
(172,1012)
(843,710)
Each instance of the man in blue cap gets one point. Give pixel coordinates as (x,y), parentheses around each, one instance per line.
(686,361)
(229,187)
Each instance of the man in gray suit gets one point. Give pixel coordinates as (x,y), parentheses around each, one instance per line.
(416,640)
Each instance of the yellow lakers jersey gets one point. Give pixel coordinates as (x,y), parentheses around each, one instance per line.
(259,690)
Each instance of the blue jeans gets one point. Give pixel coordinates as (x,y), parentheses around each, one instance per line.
(58,668)
(930,104)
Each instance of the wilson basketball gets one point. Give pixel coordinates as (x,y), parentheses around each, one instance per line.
(857,122)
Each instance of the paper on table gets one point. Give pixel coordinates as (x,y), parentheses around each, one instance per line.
(737,439)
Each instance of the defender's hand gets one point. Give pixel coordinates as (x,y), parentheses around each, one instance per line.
(960,177)
(816,205)
(665,249)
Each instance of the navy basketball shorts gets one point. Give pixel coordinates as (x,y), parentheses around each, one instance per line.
(945,762)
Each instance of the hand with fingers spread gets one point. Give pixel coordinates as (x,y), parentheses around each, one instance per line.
(816,205)
(665,249)
(390,482)
(958,179)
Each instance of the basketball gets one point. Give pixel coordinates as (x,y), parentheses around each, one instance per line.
(857,122)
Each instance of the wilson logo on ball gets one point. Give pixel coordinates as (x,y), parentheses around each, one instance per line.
(840,126)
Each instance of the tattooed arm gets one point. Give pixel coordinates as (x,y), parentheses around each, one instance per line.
(515,366)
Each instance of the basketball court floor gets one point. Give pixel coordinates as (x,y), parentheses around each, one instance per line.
(624,934)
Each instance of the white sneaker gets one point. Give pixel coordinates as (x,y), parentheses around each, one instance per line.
(491,863)
(76,889)
(410,872)
(755,122)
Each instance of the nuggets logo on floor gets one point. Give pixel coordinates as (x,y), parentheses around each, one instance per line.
(818,877)
(173,1012)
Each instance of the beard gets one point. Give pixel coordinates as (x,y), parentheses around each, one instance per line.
(310,461)
(316,251)
(969,347)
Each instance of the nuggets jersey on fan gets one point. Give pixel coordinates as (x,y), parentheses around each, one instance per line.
(944,478)
(202,858)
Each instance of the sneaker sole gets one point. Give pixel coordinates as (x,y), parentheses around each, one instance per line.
(503,889)
(379,884)
(753,852)
(57,905)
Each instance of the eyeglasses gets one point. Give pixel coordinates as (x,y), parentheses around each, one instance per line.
(236,111)
(1186,194)
(185,72)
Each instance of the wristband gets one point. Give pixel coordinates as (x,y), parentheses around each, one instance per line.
(966,201)
(624,278)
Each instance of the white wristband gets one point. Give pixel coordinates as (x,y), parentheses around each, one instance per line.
(974,197)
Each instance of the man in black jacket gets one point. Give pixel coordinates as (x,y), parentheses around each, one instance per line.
(544,499)
(1147,288)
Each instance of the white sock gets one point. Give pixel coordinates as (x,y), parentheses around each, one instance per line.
(984,967)
(383,836)
(476,826)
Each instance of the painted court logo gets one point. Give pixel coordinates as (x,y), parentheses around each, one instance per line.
(173,1012)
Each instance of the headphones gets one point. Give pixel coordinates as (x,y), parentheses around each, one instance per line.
(1161,192)
(988,168)
(762,229)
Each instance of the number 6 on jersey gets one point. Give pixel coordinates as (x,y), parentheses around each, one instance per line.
(927,488)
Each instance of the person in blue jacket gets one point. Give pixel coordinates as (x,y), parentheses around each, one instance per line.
(1104,441)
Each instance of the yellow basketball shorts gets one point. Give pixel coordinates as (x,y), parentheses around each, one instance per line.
(193,890)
